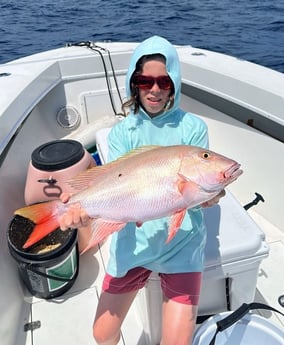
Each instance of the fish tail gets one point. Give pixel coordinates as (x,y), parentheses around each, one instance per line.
(44,217)
(38,213)
(40,231)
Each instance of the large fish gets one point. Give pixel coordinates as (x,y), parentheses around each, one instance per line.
(148,183)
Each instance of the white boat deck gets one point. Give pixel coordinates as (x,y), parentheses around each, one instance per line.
(68,319)
(270,284)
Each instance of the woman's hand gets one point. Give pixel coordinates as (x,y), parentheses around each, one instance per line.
(74,217)
(214,200)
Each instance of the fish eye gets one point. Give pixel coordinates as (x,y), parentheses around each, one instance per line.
(205,155)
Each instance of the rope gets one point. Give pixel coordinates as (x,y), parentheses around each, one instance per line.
(97,49)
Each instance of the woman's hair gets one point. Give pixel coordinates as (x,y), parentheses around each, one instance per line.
(134,102)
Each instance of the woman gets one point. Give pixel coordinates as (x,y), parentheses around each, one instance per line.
(153,85)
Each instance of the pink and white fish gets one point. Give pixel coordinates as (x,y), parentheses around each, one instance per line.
(148,183)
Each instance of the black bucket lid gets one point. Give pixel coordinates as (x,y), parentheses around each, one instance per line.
(57,155)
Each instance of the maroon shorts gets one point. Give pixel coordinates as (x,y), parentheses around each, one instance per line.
(180,287)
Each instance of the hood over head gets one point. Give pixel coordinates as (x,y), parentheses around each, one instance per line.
(158,45)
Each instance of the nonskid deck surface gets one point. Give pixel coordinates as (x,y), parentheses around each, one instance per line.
(68,319)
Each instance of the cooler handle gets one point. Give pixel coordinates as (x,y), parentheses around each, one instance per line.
(237,315)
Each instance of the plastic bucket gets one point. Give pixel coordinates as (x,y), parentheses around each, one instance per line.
(48,268)
(52,165)
(251,329)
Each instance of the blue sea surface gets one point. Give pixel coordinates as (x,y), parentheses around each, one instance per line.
(248,29)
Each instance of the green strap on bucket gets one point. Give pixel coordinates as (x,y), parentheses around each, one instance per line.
(29,267)
(237,315)
(61,279)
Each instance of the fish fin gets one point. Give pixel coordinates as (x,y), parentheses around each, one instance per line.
(139,150)
(102,228)
(191,192)
(126,156)
(186,186)
(38,213)
(175,223)
(44,216)
(41,230)
(88,177)
(181,184)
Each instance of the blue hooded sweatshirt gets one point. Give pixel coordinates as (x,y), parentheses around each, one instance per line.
(146,246)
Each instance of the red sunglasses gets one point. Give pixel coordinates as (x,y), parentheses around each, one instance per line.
(145,82)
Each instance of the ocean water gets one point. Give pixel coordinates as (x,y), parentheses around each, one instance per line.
(248,29)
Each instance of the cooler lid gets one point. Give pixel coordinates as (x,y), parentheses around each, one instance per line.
(252,329)
(232,235)
(57,155)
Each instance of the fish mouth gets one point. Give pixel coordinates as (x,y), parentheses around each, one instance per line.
(233,172)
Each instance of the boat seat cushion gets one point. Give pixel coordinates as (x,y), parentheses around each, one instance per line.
(101,138)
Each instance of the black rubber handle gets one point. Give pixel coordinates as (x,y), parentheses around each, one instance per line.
(237,315)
